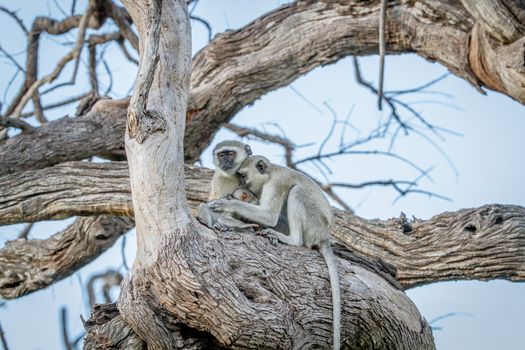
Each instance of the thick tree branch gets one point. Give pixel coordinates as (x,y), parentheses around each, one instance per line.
(222,83)
(304,316)
(29,265)
(445,247)
(99,132)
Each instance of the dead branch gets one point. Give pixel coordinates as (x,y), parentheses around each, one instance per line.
(17,19)
(480,237)
(110,279)
(3,338)
(30,265)
(382,51)
(65,334)
(7,122)
(73,54)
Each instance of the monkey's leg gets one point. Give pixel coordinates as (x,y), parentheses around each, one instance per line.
(274,235)
(205,215)
(225,223)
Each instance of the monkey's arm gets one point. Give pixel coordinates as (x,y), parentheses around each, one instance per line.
(265,214)
(205,215)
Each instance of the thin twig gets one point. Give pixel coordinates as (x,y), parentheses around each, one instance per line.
(205,23)
(73,5)
(63,323)
(285,143)
(56,104)
(16,18)
(382,51)
(123,253)
(12,59)
(73,54)
(25,231)
(3,338)
(16,123)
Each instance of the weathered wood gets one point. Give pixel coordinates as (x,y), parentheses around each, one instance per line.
(30,265)
(238,67)
(80,188)
(445,247)
(247,297)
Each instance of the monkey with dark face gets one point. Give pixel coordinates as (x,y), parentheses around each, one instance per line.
(226,221)
(309,215)
(227,157)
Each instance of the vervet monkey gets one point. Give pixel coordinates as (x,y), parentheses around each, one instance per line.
(225,221)
(227,157)
(308,214)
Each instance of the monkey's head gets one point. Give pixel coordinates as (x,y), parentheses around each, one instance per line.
(254,172)
(228,156)
(245,195)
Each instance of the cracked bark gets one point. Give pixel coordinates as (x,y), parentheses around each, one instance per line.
(480,243)
(184,273)
(238,67)
(30,265)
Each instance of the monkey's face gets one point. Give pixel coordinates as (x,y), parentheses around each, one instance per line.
(227,160)
(228,155)
(254,173)
(244,195)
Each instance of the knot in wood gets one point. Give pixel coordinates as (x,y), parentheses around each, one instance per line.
(142,123)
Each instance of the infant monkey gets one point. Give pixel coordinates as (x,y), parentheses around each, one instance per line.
(226,221)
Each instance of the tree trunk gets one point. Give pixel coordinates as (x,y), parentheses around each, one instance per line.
(185,277)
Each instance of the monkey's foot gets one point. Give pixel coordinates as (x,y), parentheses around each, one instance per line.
(202,221)
(223,228)
(269,235)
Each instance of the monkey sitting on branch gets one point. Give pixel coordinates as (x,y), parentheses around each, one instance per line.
(227,157)
(283,191)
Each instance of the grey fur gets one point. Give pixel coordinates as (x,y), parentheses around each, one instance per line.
(224,180)
(226,221)
(309,215)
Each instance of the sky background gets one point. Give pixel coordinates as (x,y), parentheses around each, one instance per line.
(481,163)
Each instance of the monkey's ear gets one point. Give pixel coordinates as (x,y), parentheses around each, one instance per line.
(261,166)
(248,150)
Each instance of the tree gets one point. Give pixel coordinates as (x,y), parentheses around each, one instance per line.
(183,280)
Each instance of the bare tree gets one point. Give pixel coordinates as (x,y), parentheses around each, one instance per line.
(192,287)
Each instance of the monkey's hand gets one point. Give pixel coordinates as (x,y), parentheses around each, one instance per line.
(268,233)
(222,205)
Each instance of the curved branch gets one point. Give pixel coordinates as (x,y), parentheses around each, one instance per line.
(442,248)
(30,265)
(223,83)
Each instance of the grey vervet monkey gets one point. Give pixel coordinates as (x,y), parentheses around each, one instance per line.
(308,215)
(227,157)
(225,221)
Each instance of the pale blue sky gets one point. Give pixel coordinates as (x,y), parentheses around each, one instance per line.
(487,168)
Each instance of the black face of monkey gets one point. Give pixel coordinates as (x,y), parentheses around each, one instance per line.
(226,159)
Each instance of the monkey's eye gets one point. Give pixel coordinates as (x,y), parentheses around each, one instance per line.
(231,154)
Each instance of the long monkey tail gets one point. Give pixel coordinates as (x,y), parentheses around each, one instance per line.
(331,262)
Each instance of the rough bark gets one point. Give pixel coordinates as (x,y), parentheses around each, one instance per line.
(238,67)
(242,305)
(80,188)
(184,273)
(99,132)
(443,248)
(32,265)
